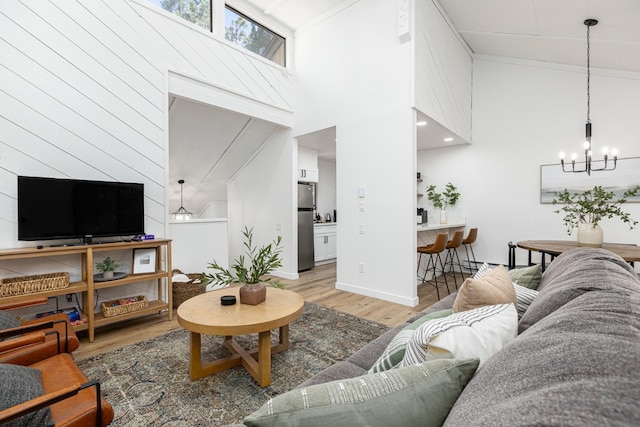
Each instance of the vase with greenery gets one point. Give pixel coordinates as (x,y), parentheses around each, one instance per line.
(443,200)
(261,261)
(107,266)
(585,210)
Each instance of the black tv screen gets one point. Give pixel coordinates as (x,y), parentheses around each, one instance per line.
(52,208)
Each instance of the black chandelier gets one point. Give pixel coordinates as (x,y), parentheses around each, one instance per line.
(181,214)
(587,144)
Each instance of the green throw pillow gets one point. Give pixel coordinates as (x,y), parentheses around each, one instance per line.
(394,353)
(529,277)
(418,395)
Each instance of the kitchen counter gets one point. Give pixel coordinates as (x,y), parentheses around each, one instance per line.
(431,227)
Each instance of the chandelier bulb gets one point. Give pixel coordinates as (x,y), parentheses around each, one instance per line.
(561,155)
(574,156)
(614,152)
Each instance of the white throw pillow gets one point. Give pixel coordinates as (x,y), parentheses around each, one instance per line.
(476,333)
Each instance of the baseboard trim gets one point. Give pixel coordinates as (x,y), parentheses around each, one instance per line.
(411,302)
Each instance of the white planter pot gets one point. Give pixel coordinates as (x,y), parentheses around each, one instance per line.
(590,235)
(107,274)
(443,216)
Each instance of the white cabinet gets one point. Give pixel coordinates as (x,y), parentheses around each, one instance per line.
(324,239)
(307,164)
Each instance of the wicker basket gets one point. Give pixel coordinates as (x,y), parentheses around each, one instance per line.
(30,284)
(182,291)
(124,306)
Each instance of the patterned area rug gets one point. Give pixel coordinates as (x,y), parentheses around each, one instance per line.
(148,383)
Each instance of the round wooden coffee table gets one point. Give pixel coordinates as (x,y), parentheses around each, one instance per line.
(204,314)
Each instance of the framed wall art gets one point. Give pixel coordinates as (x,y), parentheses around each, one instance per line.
(624,177)
(144,261)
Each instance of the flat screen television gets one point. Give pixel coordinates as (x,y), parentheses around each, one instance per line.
(53,208)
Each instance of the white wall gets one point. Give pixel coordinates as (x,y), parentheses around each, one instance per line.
(261,196)
(197,243)
(443,71)
(326,187)
(359,81)
(83,93)
(524,114)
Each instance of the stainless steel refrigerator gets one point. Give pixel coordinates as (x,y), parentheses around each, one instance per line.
(306,206)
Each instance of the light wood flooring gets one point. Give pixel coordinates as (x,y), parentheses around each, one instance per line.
(316,286)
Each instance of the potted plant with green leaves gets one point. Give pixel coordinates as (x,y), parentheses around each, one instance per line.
(261,261)
(443,200)
(584,210)
(107,266)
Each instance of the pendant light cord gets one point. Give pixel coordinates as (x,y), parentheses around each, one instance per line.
(588,74)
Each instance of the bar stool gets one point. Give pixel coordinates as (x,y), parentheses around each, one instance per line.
(436,248)
(467,242)
(452,250)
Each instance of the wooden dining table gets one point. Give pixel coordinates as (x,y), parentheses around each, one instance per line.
(628,252)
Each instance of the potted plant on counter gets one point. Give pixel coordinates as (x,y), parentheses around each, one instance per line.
(262,261)
(443,200)
(586,209)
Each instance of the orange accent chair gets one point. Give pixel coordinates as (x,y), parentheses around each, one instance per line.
(73,400)
(26,349)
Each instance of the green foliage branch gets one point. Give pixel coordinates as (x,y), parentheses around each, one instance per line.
(592,206)
(262,261)
(448,197)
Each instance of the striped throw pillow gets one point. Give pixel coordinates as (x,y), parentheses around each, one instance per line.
(476,333)
(394,352)
(525,297)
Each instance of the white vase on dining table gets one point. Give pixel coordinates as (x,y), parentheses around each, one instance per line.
(590,235)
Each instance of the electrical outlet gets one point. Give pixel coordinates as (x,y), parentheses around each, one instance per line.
(361,206)
(361,267)
(361,228)
(69,298)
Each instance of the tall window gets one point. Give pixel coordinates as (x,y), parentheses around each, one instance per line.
(196,11)
(238,28)
(245,32)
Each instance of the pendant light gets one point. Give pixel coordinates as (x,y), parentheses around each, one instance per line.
(587,144)
(181,214)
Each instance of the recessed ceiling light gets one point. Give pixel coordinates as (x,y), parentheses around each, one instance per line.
(421,123)
(448,139)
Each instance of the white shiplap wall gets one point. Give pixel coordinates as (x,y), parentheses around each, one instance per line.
(83,94)
(443,71)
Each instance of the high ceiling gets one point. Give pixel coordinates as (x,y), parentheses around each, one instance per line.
(541,30)
(551,30)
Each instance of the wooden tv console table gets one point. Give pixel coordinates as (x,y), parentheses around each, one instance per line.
(86,286)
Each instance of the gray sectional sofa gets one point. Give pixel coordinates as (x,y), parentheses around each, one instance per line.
(575,361)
